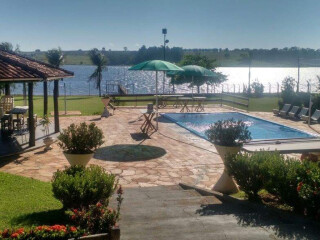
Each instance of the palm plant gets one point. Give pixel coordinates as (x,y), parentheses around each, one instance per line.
(100,61)
(55,57)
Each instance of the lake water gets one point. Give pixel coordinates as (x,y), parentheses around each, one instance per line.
(144,82)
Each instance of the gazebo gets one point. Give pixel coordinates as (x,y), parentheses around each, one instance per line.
(15,68)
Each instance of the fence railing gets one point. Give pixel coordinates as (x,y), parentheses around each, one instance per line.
(211,98)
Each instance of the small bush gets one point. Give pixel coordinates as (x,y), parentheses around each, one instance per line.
(228,133)
(246,170)
(309,188)
(81,139)
(79,187)
(280,177)
(257,88)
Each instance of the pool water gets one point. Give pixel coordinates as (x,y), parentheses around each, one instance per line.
(260,129)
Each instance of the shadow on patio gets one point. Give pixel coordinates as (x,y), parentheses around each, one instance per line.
(283,224)
(129,153)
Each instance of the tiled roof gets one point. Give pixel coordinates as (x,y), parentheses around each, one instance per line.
(15,68)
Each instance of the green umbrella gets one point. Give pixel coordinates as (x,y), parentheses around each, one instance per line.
(194,71)
(156,65)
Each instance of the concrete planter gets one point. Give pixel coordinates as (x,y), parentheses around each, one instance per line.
(47,141)
(226,183)
(78,159)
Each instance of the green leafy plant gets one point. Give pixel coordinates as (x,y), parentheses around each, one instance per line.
(228,133)
(246,169)
(79,187)
(98,218)
(308,188)
(281,177)
(81,139)
(45,123)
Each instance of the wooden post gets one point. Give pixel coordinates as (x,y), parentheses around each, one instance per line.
(24,94)
(32,130)
(7,89)
(56,106)
(45,98)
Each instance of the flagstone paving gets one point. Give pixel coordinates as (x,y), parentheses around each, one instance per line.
(168,157)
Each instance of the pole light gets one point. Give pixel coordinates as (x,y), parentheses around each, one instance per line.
(165,41)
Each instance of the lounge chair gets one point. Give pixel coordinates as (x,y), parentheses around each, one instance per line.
(314,118)
(304,111)
(293,112)
(285,109)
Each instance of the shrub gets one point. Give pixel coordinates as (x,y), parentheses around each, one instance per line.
(228,133)
(56,232)
(280,177)
(258,89)
(308,188)
(81,139)
(79,187)
(246,170)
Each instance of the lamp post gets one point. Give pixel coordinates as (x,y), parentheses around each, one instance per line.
(165,41)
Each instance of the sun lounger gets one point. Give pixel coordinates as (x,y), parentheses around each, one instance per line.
(304,111)
(314,118)
(293,112)
(285,109)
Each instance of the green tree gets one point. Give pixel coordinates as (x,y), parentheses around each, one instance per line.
(100,61)
(6,46)
(199,60)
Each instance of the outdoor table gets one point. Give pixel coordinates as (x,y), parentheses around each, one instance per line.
(200,106)
(185,101)
(147,124)
(165,98)
(19,110)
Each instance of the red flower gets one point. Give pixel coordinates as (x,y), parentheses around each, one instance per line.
(14,235)
(73,229)
(99,204)
(5,233)
(75,211)
(299,186)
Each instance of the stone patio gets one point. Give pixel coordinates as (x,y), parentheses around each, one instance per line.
(168,157)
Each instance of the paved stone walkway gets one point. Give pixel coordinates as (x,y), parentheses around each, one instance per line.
(168,212)
(171,156)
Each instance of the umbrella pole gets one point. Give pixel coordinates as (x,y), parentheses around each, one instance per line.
(157,114)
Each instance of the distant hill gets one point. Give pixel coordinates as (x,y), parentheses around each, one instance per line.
(286,57)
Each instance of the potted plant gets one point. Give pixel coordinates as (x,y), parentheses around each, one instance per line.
(45,123)
(79,142)
(228,136)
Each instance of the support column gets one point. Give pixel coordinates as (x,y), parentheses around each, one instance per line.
(7,89)
(32,130)
(24,94)
(56,106)
(45,98)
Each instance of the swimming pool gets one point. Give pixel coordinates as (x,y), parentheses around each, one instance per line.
(260,129)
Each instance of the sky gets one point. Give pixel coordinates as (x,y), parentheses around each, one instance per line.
(85,24)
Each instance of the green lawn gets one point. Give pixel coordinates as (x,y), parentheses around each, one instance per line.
(26,202)
(92,105)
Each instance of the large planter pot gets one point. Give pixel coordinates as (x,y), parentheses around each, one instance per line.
(47,141)
(78,159)
(225,183)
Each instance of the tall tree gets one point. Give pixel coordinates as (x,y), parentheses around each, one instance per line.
(100,61)
(55,57)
